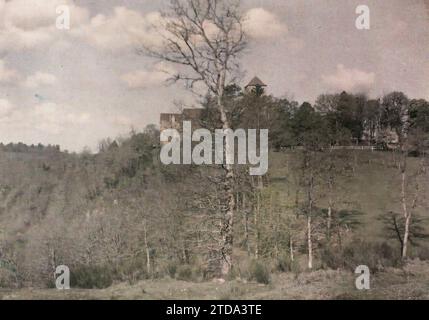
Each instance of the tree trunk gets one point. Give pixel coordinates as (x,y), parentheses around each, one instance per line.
(229,203)
(406,212)
(404,150)
(330,205)
(309,243)
(329,220)
(148,266)
(309,231)
(398,232)
(258,209)
(246,225)
(227,231)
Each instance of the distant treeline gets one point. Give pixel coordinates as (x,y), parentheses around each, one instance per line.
(23,148)
(339,119)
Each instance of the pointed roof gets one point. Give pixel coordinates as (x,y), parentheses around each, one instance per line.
(256,82)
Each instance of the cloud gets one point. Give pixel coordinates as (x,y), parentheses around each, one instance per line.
(40,79)
(262,24)
(52,118)
(7,75)
(28,24)
(143,79)
(48,117)
(124,28)
(5,108)
(351,80)
(11,76)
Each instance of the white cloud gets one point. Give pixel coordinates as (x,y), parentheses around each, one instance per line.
(126,28)
(53,118)
(351,80)
(262,24)
(122,29)
(13,77)
(5,108)
(157,76)
(48,117)
(30,23)
(7,75)
(40,79)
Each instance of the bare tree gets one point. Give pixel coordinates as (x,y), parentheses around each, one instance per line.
(397,116)
(310,191)
(205,39)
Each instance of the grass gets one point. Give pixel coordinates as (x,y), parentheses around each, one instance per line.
(373,188)
(410,282)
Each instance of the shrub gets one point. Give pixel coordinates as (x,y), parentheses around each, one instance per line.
(259,272)
(91,277)
(423,253)
(172,269)
(130,270)
(184,272)
(374,255)
(285,264)
(8,278)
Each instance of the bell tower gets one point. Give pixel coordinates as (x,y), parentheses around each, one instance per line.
(256,86)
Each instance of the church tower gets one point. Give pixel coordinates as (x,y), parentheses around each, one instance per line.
(256,86)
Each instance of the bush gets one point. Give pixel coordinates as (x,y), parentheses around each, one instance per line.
(130,270)
(259,272)
(374,255)
(172,269)
(285,264)
(184,272)
(423,253)
(8,278)
(91,277)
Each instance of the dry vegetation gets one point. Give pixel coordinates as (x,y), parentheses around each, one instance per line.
(410,282)
(62,218)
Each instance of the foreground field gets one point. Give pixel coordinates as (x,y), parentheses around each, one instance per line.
(410,282)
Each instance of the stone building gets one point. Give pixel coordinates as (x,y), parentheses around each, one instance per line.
(175,120)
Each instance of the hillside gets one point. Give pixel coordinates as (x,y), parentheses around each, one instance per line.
(123,216)
(372,186)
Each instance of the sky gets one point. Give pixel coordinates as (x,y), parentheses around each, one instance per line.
(74,87)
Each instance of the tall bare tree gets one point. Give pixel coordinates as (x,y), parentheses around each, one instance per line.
(396,106)
(205,39)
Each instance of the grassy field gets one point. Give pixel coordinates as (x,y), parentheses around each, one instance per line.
(371,186)
(410,282)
